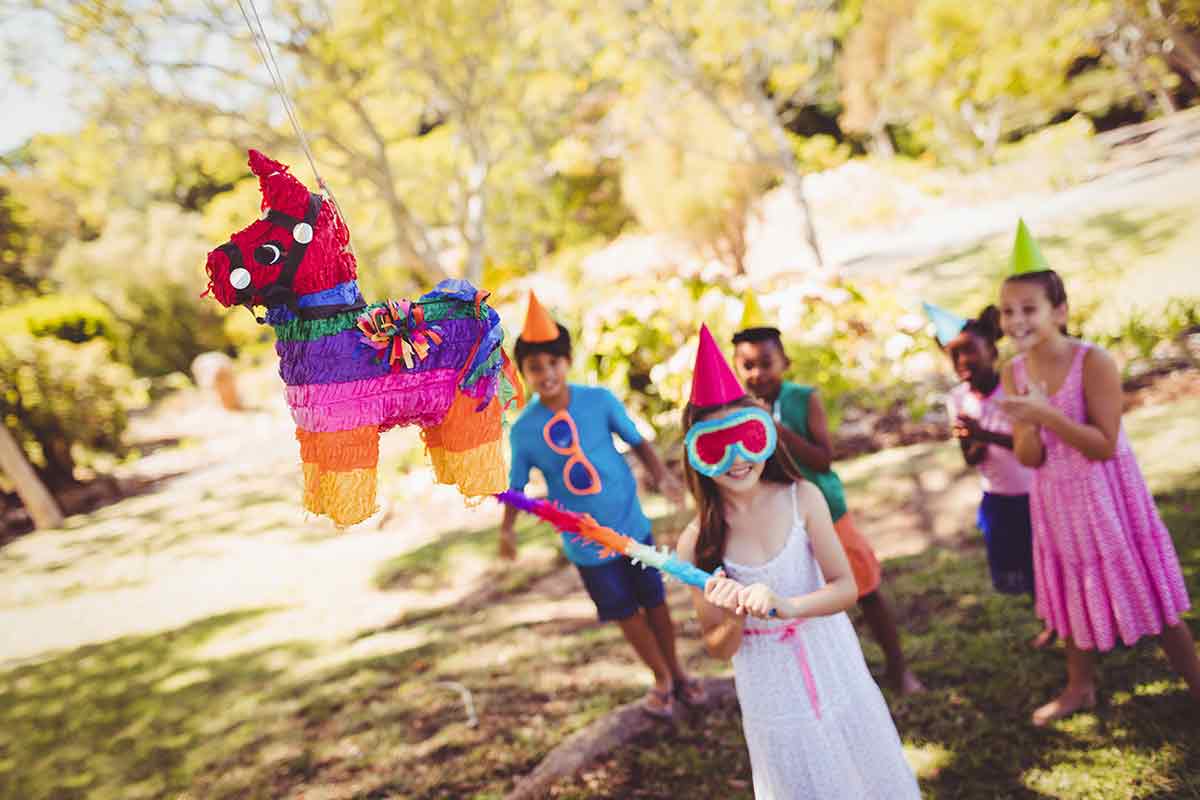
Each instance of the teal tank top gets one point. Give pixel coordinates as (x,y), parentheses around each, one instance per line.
(791,409)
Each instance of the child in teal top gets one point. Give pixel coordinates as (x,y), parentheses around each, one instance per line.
(760,361)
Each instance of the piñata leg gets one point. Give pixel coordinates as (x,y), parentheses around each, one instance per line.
(466,447)
(339,472)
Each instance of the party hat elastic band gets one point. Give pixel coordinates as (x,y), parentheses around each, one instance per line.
(539,327)
(1026,256)
(713,382)
(945,325)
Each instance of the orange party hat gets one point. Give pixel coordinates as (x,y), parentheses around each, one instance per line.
(539,327)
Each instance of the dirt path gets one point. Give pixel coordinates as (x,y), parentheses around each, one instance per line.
(222,530)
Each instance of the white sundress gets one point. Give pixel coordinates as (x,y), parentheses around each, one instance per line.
(815,721)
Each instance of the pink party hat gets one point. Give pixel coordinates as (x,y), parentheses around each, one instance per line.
(713,382)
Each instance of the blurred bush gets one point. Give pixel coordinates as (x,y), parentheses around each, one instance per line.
(147,268)
(861,346)
(72,318)
(61,398)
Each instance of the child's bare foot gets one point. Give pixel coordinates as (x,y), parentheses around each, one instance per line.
(1046,637)
(659,703)
(1066,704)
(691,692)
(906,684)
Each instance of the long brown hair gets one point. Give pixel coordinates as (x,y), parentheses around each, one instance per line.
(710,545)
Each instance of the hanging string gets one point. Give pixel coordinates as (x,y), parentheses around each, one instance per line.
(262,43)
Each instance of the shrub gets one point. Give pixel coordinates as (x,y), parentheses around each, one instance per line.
(73,318)
(147,267)
(62,399)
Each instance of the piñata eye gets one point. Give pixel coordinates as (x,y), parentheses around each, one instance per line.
(239,278)
(268,253)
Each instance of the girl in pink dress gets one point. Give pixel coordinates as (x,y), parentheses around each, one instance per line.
(1104,564)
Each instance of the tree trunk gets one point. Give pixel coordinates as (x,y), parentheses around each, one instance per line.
(475,218)
(408,234)
(1185,52)
(36,498)
(793,180)
(882,142)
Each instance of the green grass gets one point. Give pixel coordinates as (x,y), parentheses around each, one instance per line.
(1115,265)
(970,737)
(173,714)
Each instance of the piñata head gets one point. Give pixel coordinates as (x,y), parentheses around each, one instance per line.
(297,246)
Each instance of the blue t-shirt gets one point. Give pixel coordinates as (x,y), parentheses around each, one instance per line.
(608,490)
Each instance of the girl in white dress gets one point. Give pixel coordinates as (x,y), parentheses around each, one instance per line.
(814,719)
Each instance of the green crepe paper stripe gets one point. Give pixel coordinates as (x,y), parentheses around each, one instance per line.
(488,364)
(304,330)
(308,330)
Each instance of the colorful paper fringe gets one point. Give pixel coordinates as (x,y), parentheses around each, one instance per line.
(397,328)
(609,541)
(452,379)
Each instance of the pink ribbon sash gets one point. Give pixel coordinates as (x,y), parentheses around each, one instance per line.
(788,635)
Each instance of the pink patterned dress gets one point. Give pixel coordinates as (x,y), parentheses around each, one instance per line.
(1104,565)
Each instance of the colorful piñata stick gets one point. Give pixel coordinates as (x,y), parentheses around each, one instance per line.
(609,540)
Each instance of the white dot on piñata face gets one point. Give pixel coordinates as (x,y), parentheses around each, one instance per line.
(239,278)
(302,233)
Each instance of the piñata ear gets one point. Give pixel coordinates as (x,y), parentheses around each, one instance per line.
(262,166)
(280,189)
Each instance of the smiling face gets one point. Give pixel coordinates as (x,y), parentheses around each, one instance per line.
(546,374)
(974,358)
(1027,315)
(760,366)
(251,262)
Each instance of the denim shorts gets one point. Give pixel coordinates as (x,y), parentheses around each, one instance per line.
(619,588)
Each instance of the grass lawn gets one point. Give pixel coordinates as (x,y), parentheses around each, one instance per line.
(175,714)
(1115,264)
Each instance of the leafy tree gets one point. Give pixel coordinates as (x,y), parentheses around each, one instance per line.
(752,63)
(872,92)
(397,98)
(154,294)
(991,68)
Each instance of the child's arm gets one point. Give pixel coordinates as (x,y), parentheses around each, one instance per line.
(518,478)
(508,537)
(664,480)
(974,451)
(975,439)
(1096,439)
(1027,438)
(817,454)
(964,428)
(721,624)
(840,591)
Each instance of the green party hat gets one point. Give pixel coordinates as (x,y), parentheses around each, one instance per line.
(1026,257)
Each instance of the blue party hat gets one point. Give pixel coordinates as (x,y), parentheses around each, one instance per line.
(945,325)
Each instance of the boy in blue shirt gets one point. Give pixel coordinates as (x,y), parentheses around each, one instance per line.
(566,433)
